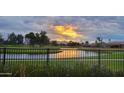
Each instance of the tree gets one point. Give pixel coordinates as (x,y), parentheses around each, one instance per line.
(20,39)
(99,41)
(12,39)
(71,43)
(37,38)
(1,39)
(54,43)
(109,40)
(31,37)
(82,43)
(87,44)
(44,40)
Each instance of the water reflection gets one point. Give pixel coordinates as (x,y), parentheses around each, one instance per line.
(65,53)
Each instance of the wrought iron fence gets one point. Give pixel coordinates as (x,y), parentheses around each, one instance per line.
(61,62)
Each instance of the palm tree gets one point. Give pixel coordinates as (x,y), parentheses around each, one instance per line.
(99,41)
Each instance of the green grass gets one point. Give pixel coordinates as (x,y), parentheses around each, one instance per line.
(35,46)
(29,50)
(61,67)
(109,55)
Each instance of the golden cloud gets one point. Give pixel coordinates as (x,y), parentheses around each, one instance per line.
(65,31)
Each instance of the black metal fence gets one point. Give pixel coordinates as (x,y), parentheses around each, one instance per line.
(60,61)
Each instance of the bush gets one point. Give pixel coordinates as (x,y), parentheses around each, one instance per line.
(60,70)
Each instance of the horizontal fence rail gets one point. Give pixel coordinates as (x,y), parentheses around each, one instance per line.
(60,62)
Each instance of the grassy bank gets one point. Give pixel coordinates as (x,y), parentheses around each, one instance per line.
(28,49)
(66,67)
(35,46)
(109,55)
(17,50)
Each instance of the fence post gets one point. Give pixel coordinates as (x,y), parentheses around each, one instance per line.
(48,52)
(123,61)
(4,59)
(0,55)
(4,56)
(99,58)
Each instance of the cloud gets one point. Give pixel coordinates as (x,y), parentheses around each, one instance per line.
(88,26)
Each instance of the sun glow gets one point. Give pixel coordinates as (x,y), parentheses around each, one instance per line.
(66,31)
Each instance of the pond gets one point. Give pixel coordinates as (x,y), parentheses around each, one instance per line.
(65,53)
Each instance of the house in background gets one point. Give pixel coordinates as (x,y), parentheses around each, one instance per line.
(116,44)
(113,44)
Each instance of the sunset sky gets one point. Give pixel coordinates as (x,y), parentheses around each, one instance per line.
(66,28)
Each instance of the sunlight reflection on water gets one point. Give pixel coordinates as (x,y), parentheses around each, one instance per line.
(65,53)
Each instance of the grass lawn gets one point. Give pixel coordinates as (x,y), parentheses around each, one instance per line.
(29,50)
(44,46)
(57,67)
(109,55)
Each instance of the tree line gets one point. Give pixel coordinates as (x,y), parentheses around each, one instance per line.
(41,38)
(30,38)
